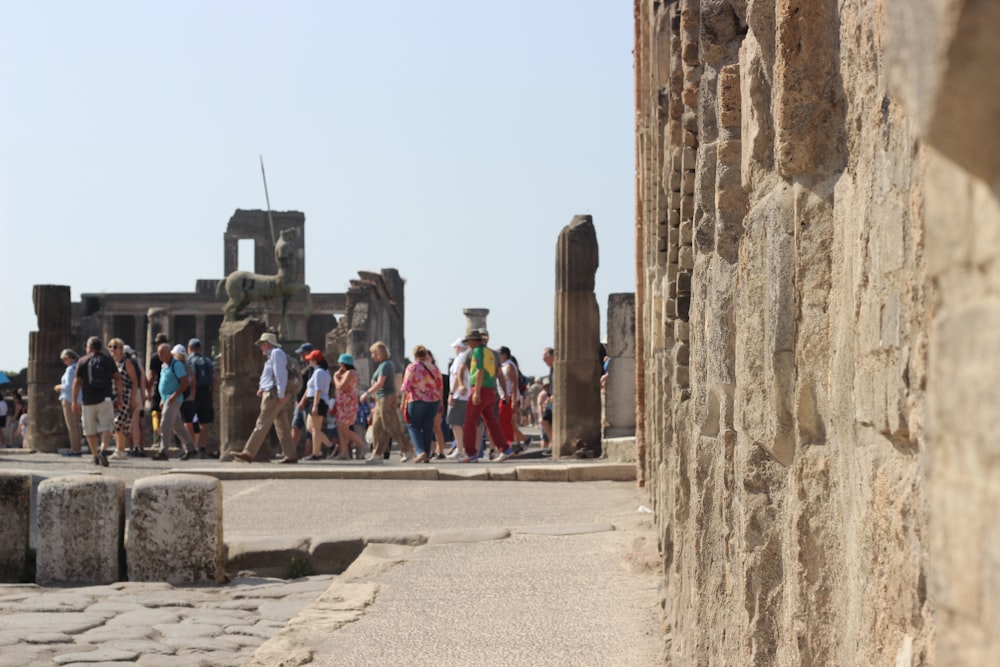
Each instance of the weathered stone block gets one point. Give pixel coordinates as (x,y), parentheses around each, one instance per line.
(334,555)
(265,556)
(175,530)
(15,524)
(81,523)
(685,258)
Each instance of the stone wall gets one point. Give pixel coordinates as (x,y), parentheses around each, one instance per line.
(815,302)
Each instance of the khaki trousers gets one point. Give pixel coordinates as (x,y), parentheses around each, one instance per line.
(73,426)
(271,413)
(385,425)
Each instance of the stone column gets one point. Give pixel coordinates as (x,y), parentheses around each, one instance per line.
(619,392)
(15,524)
(159,322)
(47,428)
(475,318)
(576,372)
(239,372)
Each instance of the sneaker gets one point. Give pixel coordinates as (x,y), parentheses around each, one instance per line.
(288,460)
(137,452)
(507,453)
(373,460)
(97,460)
(454,454)
(469,459)
(420,458)
(202,454)
(161,456)
(313,457)
(403,458)
(440,456)
(242,456)
(119,455)
(102,457)
(185,455)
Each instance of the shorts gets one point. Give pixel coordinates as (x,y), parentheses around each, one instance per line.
(188,411)
(201,406)
(299,419)
(456,413)
(99,418)
(3,420)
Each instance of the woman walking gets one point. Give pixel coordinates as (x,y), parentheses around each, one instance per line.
(316,403)
(385,418)
(345,408)
(421,398)
(123,411)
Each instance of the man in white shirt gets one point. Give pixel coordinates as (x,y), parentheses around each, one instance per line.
(271,389)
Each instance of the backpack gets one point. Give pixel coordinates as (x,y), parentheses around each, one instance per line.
(522,382)
(202,369)
(98,375)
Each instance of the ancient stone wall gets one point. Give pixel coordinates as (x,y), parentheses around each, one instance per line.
(814,281)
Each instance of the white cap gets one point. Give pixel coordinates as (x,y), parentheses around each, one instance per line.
(179,349)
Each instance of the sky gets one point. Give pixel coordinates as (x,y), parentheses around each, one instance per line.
(452,140)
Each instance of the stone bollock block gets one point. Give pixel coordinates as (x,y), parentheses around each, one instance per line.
(15,525)
(81,525)
(175,530)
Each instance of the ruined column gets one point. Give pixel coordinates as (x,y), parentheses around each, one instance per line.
(619,389)
(576,372)
(46,427)
(239,373)
(159,322)
(475,318)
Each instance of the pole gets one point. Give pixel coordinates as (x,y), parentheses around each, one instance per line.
(267,198)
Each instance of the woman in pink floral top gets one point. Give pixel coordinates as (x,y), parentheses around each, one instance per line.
(421,392)
(345,407)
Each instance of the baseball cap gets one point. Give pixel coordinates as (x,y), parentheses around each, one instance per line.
(179,349)
(305,347)
(194,342)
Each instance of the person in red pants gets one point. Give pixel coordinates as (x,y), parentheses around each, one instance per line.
(482,400)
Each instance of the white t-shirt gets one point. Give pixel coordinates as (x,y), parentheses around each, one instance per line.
(456,369)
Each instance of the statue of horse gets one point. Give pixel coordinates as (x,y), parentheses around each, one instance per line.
(243,287)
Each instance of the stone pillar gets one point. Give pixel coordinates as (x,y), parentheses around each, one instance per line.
(576,372)
(175,530)
(239,372)
(199,332)
(81,525)
(47,428)
(159,322)
(15,525)
(619,393)
(475,318)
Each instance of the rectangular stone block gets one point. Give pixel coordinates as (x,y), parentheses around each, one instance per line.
(81,525)
(602,472)
(687,207)
(15,525)
(681,330)
(687,182)
(543,473)
(175,530)
(686,233)
(685,258)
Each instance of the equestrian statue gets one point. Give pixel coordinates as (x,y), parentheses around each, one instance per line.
(244,287)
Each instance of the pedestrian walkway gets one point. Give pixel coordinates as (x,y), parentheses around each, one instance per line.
(454,573)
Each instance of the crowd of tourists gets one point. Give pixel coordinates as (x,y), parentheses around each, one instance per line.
(474,410)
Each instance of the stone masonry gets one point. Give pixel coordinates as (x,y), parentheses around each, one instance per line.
(818,355)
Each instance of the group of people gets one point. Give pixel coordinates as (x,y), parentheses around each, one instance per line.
(104,395)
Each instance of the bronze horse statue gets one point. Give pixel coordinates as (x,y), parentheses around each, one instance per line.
(244,287)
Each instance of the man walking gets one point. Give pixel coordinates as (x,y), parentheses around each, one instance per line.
(482,401)
(202,408)
(271,390)
(173,381)
(97,379)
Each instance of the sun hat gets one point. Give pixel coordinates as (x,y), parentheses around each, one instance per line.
(268,337)
(304,348)
(346,358)
(314,355)
(475,334)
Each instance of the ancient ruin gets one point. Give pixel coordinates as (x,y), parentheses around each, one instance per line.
(371,309)
(816,324)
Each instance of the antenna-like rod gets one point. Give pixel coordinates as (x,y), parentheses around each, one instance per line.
(270,221)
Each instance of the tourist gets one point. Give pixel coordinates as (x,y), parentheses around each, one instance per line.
(3,421)
(315,402)
(203,409)
(346,408)
(548,356)
(188,416)
(421,392)
(541,405)
(385,418)
(153,381)
(97,380)
(439,439)
(300,418)
(458,376)
(271,390)
(123,409)
(509,390)
(65,389)
(174,381)
(482,400)
(140,395)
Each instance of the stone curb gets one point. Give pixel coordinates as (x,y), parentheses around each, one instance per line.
(580,472)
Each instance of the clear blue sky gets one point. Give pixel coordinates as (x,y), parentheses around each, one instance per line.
(451,140)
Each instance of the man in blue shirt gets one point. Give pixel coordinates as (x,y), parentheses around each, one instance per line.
(173,381)
(271,389)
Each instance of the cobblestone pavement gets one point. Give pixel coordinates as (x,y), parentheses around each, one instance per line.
(152,624)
